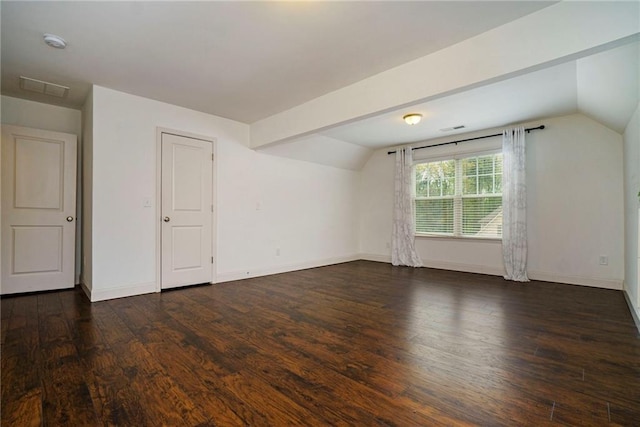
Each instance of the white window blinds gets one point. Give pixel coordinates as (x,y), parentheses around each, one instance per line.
(460,197)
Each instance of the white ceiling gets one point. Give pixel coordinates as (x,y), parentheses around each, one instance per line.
(545,93)
(603,86)
(249,60)
(608,85)
(323,150)
(240,60)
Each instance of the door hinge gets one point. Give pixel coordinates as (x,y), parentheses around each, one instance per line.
(211,156)
(211,260)
(211,208)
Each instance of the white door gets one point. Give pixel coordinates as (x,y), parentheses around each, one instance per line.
(187,166)
(38,210)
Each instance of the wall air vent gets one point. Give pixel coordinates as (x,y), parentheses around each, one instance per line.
(46,88)
(452,128)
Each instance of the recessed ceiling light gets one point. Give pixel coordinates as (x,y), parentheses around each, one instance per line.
(55,41)
(412,119)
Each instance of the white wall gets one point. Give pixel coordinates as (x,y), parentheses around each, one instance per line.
(631,207)
(574,199)
(20,112)
(31,114)
(309,211)
(608,85)
(318,215)
(262,202)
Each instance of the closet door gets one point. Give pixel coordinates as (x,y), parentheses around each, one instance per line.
(187,165)
(38,210)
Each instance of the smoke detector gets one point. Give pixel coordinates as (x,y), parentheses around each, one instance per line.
(55,41)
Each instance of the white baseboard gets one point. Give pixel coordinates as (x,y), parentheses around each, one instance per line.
(376,257)
(594,282)
(145,288)
(494,271)
(635,311)
(119,292)
(249,273)
(467,268)
(441,265)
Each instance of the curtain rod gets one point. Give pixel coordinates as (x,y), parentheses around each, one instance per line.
(465,140)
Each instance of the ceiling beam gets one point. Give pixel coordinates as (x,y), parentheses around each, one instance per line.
(558,33)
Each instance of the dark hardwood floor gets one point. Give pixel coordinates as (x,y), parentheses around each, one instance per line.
(360,343)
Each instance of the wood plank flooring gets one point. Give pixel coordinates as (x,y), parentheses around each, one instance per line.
(359,343)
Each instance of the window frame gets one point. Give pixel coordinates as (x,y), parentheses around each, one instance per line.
(457,197)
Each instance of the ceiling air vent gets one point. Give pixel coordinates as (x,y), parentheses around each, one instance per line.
(46,88)
(452,128)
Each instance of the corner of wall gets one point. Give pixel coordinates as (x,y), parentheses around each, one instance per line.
(632,210)
(96,295)
(87,194)
(634,310)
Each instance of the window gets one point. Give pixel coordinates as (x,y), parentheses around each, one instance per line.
(460,197)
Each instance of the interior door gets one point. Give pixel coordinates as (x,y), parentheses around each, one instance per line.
(187,166)
(38,210)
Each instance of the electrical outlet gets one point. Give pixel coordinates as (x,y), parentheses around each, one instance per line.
(277,251)
(604,260)
(146,202)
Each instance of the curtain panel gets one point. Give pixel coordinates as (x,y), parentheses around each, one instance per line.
(514,205)
(403,251)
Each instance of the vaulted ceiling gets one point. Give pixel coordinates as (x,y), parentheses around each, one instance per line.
(603,86)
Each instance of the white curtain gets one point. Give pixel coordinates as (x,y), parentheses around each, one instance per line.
(403,250)
(514,205)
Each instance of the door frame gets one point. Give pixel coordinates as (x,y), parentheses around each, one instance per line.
(158,199)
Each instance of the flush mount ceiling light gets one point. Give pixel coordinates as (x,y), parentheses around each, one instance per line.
(55,41)
(412,119)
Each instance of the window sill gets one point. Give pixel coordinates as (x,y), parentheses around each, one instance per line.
(460,238)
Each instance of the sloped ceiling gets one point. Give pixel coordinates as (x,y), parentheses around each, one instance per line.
(323,150)
(549,92)
(608,85)
(604,87)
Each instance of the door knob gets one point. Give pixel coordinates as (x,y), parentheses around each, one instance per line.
(166,219)
(69,218)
